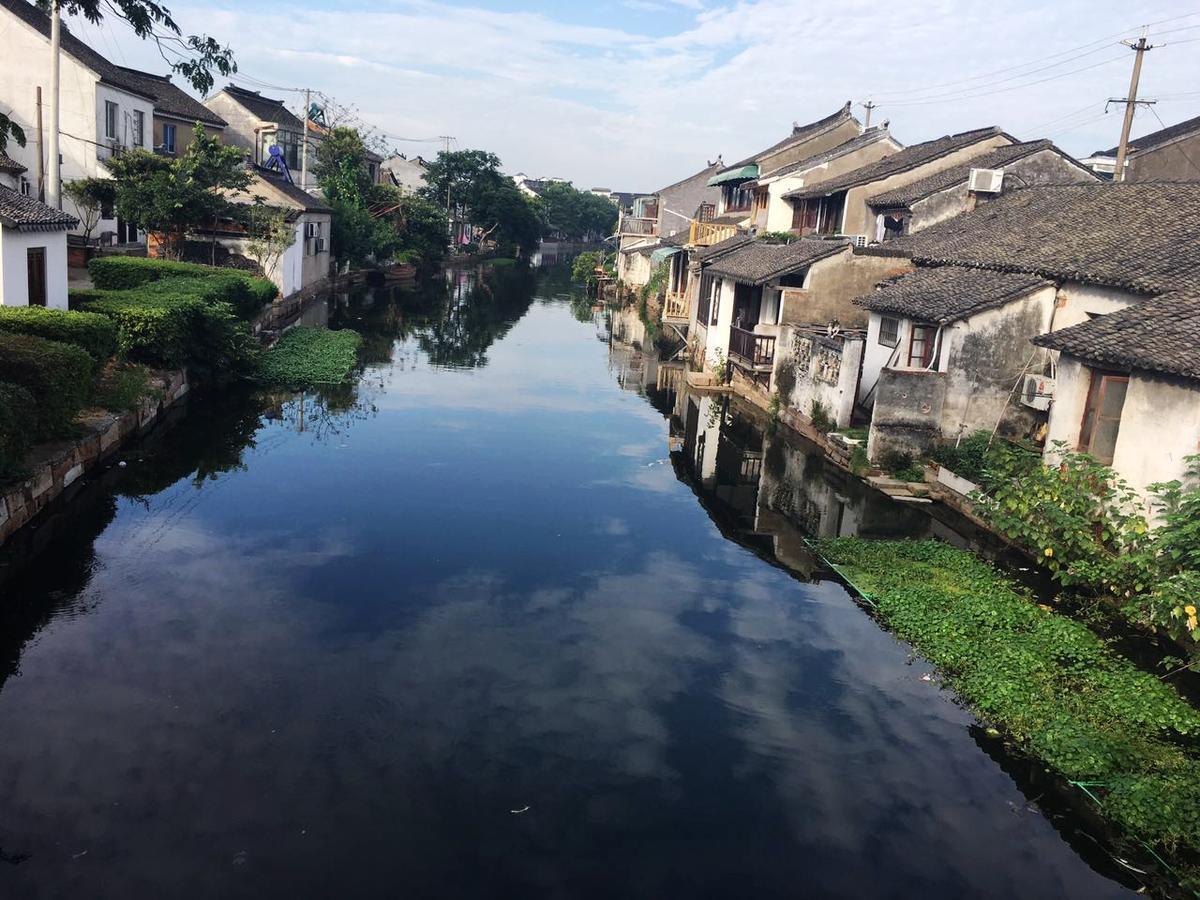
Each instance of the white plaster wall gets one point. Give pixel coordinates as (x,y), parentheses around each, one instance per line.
(1078,303)
(877,356)
(1160,423)
(242,124)
(717,341)
(14,268)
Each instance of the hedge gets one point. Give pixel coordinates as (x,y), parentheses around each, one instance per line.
(58,376)
(94,334)
(154,330)
(244,292)
(17,410)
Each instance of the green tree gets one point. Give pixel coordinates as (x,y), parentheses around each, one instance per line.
(194,56)
(270,235)
(91,196)
(576,215)
(494,206)
(169,196)
(419,225)
(359,231)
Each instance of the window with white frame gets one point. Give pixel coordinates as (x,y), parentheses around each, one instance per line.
(111,116)
(139,128)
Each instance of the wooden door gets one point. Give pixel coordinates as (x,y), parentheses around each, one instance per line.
(35,259)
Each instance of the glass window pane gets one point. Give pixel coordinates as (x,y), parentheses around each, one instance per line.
(1104,440)
(1112,399)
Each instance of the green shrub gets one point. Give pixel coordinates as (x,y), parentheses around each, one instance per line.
(969,459)
(157,277)
(17,411)
(819,415)
(95,334)
(119,273)
(153,330)
(124,386)
(306,356)
(58,376)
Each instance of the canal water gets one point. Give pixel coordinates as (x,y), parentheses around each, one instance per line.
(513,615)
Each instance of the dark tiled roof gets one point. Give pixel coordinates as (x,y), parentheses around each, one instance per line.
(948,293)
(265,108)
(110,74)
(908,158)
(800,133)
(306,200)
(948,178)
(855,143)
(1141,237)
(29,214)
(705,173)
(1158,335)
(1155,138)
(171,100)
(757,262)
(8,164)
(710,253)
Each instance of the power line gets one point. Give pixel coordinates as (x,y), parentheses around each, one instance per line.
(1178,147)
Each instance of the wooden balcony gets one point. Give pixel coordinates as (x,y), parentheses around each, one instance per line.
(676,306)
(755,351)
(705,234)
(636,225)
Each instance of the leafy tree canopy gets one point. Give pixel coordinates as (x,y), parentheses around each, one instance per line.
(494,205)
(576,215)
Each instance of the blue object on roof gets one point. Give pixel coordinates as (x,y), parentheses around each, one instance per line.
(278,163)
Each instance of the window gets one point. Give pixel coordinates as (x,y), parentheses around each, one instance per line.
(26,188)
(707,212)
(139,127)
(169,139)
(889,331)
(704,299)
(35,260)
(920,346)
(110,119)
(716,301)
(737,197)
(1102,415)
(891,226)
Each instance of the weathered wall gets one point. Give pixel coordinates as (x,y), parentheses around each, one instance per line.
(14,266)
(1167,163)
(907,412)
(1160,423)
(815,368)
(240,131)
(633,269)
(1043,167)
(832,284)
(983,357)
(1078,303)
(859,218)
(877,356)
(685,198)
(717,337)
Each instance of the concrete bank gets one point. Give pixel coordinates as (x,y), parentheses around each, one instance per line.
(56,467)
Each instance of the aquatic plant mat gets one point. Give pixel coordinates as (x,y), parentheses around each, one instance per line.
(1061,694)
(306,356)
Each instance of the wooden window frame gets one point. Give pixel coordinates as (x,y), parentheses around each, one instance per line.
(1094,402)
(927,345)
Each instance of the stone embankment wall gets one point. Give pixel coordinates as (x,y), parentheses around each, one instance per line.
(55,468)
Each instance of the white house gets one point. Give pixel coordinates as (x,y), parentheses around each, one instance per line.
(1127,388)
(307,260)
(256,123)
(103,109)
(406,174)
(33,244)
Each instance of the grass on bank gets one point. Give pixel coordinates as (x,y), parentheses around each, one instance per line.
(306,356)
(1057,689)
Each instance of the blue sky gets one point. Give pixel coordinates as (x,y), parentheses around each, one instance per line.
(635,94)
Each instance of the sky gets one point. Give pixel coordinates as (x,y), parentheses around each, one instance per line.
(636,94)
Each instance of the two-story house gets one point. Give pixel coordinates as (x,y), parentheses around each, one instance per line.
(257,123)
(176,113)
(103,109)
(949,346)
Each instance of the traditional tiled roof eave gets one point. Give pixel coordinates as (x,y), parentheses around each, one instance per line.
(1161,335)
(10,165)
(757,262)
(799,135)
(23,213)
(949,293)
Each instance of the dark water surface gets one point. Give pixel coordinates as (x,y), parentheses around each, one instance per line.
(326,646)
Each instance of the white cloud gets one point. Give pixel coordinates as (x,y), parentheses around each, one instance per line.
(608,105)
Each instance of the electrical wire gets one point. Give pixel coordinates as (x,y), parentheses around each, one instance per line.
(1178,147)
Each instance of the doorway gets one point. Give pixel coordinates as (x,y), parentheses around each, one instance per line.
(35,261)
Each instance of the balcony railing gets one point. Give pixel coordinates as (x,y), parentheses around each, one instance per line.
(705,234)
(750,349)
(676,305)
(636,225)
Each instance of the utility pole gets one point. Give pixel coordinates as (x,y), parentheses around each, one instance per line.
(868,106)
(304,142)
(41,149)
(1131,102)
(53,187)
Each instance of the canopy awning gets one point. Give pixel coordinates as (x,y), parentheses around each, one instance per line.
(742,173)
(663,253)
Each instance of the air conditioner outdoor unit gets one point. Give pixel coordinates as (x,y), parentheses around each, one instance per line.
(1037,391)
(986,181)
(856,240)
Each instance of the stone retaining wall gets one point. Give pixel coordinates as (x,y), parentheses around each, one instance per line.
(55,467)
